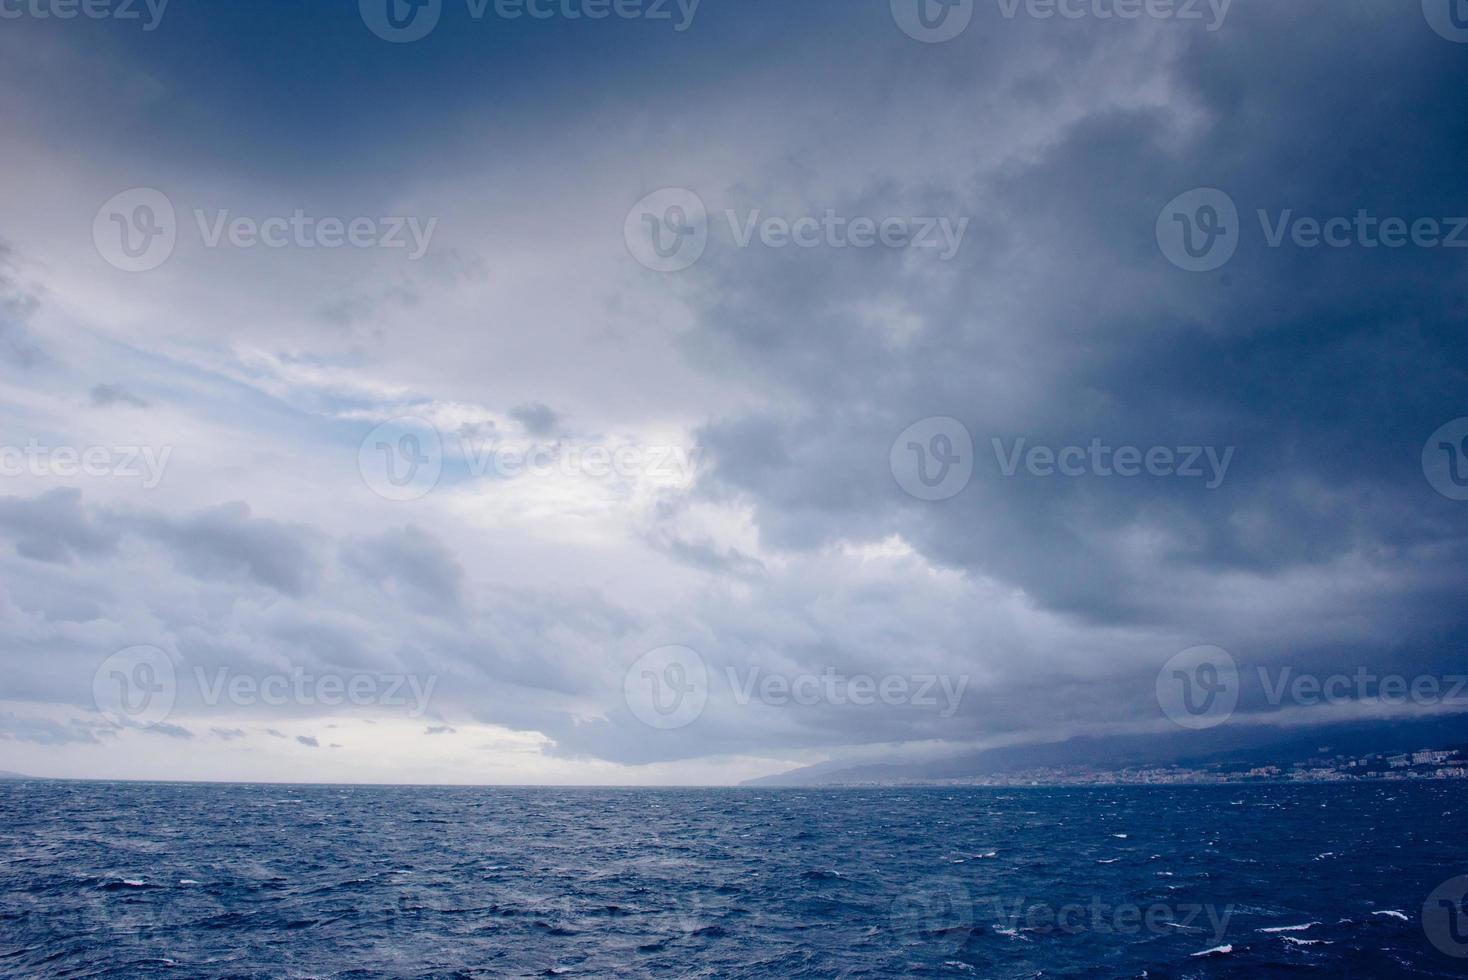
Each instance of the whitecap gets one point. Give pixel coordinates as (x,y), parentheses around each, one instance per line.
(1215,951)
(1290,928)
(1393,913)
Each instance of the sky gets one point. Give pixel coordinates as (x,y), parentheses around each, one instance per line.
(574,391)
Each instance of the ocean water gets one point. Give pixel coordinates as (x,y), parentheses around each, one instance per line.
(113,879)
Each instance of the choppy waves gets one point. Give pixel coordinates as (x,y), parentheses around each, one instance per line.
(241,881)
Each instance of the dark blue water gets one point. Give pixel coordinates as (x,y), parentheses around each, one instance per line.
(105,879)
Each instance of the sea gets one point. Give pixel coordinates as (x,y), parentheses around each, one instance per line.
(104,879)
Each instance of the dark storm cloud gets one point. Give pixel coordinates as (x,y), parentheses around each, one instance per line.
(1325,370)
(1059,322)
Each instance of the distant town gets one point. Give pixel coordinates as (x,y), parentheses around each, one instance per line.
(1423,764)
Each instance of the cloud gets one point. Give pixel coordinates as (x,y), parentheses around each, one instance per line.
(170,730)
(308,740)
(413,564)
(46,731)
(536,419)
(227,542)
(526,598)
(17,305)
(104,395)
(54,527)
